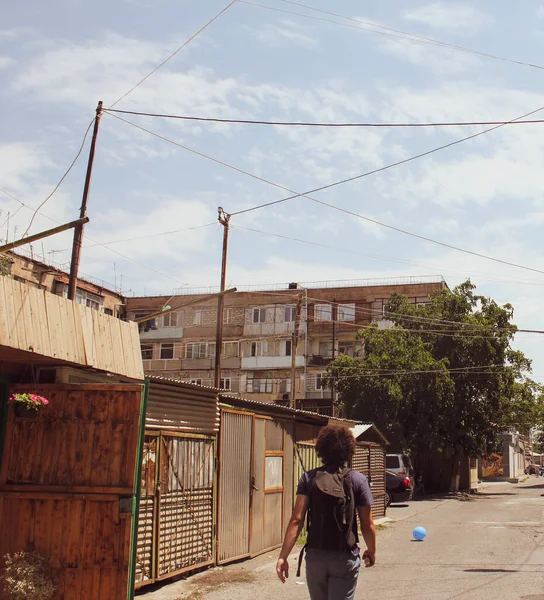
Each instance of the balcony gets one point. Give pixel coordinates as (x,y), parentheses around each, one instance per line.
(271,362)
(161,333)
(318,360)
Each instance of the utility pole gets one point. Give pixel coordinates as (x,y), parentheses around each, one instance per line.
(78,231)
(224,219)
(334,315)
(294,340)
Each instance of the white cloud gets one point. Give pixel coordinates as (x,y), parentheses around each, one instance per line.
(450,16)
(6,62)
(540,12)
(286,31)
(440,61)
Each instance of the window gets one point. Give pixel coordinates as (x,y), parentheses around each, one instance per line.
(108,311)
(171,320)
(225,383)
(273,472)
(323,312)
(378,307)
(259,315)
(346,312)
(89,299)
(229,349)
(227,316)
(147,351)
(325,349)
(286,347)
(196,350)
(196,381)
(290,314)
(144,325)
(347,348)
(197,318)
(260,386)
(259,348)
(167,351)
(320,381)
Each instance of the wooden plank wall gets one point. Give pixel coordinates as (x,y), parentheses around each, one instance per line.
(37,321)
(61,479)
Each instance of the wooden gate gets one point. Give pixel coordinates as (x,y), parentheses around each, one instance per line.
(176,520)
(67,484)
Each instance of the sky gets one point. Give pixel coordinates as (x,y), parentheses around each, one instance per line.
(153,204)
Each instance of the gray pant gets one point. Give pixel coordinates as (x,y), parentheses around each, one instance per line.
(331,575)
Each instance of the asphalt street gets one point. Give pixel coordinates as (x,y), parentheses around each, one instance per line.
(478,547)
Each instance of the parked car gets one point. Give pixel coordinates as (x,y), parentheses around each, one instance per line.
(533,470)
(400,464)
(398,488)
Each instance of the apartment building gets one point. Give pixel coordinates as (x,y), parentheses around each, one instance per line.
(25,267)
(258,325)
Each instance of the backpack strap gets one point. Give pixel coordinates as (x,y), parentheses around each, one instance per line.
(300,557)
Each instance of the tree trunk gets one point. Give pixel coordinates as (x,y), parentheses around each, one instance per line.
(456,470)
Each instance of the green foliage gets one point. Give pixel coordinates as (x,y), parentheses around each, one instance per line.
(5,264)
(444,378)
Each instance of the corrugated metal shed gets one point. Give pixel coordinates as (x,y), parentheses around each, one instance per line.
(368,432)
(181,407)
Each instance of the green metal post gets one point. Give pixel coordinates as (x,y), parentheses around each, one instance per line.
(137,493)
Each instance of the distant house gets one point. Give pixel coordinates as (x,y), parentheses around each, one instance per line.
(46,275)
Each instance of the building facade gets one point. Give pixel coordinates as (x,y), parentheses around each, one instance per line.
(259,350)
(25,268)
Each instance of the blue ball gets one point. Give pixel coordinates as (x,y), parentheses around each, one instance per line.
(419,533)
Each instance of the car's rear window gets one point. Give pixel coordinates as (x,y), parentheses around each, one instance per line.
(392,462)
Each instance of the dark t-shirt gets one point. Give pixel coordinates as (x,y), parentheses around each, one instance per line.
(361,489)
(361,493)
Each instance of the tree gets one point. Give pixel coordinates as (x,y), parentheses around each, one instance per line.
(444,377)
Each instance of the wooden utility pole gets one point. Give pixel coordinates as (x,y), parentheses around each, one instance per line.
(224,219)
(294,340)
(78,231)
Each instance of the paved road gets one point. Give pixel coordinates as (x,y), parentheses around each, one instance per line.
(488,547)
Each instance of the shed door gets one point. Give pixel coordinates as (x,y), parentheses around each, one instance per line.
(268,476)
(234,486)
(67,482)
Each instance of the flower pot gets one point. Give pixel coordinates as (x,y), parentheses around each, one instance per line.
(24,412)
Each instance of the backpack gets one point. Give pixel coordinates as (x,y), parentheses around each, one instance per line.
(331,521)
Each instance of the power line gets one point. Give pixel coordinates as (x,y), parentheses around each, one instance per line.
(36,211)
(143,237)
(354,178)
(316,124)
(384,168)
(174,53)
(389,32)
(137,262)
(380,257)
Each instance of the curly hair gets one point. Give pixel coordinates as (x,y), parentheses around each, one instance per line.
(335,445)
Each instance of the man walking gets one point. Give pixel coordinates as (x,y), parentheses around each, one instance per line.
(332,495)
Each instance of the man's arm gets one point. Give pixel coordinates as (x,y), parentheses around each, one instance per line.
(291,535)
(369,532)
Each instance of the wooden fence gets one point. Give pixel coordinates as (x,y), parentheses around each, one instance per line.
(33,320)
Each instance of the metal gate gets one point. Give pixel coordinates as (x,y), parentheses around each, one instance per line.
(370,460)
(176,523)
